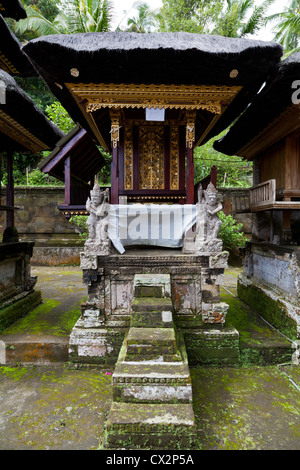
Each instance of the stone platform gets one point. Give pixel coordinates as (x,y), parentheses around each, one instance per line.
(43,337)
(194,289)
(152,392)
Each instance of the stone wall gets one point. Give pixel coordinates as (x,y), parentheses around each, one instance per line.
(270,284)
(56,240)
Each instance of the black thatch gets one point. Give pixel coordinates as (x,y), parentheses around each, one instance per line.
(12,9)
(267,105)
(23,110)
(153,58)
(12,59)
(165,58)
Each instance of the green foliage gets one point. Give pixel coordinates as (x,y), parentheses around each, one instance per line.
(231,233)
(145,21)
(193,16)
(241,17)
(59,116)
(68,17)
(287,26)
(80,222)
(37,90)
(232,171)
(38,178)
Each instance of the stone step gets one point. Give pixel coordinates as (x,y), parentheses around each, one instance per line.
(33,349)
(152,312)
(147,285)
(146,426)
(163,319)
(153,381)
(151,342)
(148,291)
(152,304)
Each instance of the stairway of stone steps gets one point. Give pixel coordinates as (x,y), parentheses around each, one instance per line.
(152,392)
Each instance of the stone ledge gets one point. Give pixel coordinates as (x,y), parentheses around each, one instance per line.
(271,305)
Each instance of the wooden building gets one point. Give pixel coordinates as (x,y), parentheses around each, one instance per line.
(268,133)
(75,160)
(150,99)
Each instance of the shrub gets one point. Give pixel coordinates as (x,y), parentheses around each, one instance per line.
(80,222)
(231,234)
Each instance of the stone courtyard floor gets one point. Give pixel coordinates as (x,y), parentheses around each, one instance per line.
(64,407)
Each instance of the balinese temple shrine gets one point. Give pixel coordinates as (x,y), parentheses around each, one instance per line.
(153,263)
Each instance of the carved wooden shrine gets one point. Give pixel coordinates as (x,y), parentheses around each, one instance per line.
(149,100)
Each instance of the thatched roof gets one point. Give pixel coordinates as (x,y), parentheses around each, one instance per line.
(23,126)
(274,99)
(12,9)
(155,58)
(12,59)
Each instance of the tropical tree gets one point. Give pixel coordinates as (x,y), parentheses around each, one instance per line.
(287,27)
(74,16)
(232,171)
(144,21)
(241,18)
(194,16)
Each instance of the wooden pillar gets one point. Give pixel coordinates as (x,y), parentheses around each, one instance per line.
(115,139)
(68,180)
(114,192)
(213,175)
(10,196)
(190,177)
(190,139)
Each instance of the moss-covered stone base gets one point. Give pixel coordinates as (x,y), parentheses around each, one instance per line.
(19,309)
(275,309)
(211,346)
(95,345)
(150,426)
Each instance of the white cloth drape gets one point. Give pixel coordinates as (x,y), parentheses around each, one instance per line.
(153,224)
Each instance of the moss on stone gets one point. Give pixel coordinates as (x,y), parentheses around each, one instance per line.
(274,311)
(48,318)
(19,309)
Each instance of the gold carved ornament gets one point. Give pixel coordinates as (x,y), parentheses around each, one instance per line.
(190,129)
(17,132)
(174,157)
(115,128)
(151,168)
(6,65)
(193,97)
(128,158)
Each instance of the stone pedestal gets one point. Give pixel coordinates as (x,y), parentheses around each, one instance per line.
(17,295)
(194,283)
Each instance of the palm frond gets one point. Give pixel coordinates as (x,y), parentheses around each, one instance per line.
(36,22)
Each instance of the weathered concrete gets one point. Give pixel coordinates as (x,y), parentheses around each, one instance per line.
(65,407)
(42,336)
(246,338)
(270,283)
(17,294)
